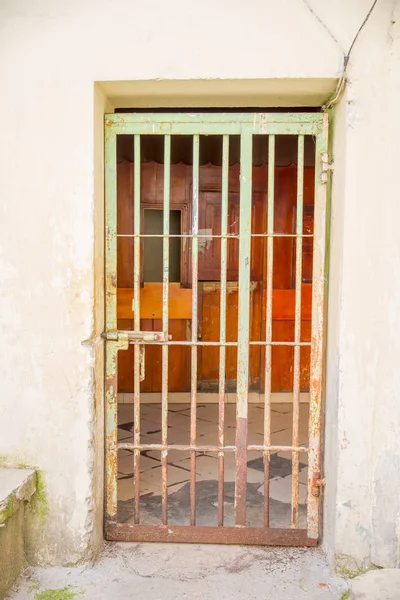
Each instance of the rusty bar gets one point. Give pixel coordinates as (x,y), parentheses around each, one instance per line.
(136,326)
(230,236)
(317,332)
(246,151)
(255,343)
(222,327)
(207,448)
(125,532)
(297,331)
(164,384)
(111,450)
(280,343)
(159,342)
(181,235)
(193,387)
(268,324)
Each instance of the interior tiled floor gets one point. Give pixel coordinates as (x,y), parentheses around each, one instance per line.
(207,465)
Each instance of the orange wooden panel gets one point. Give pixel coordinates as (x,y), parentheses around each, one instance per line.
(209,331)
(179,304)
(283,303)
(125,361)
(283,357)
(178,363)
(150,353)
(178,360)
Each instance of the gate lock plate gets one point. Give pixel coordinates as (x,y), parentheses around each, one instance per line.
(137,337)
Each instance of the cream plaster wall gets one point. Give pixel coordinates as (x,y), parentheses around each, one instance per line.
(52,53)
(362,511)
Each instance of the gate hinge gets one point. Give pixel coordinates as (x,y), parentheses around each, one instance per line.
(326,166)
(318,482)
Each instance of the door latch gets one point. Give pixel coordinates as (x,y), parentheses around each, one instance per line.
(136,337)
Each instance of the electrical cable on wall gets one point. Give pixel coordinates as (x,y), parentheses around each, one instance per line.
(342,81)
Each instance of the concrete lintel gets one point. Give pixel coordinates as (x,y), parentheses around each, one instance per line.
(202,93)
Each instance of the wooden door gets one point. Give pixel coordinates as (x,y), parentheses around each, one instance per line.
(209,276)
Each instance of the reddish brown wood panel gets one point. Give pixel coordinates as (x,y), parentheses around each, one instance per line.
(283,304)
(178,359)
(125,224)
(179,304)
(210,224)
(210,327)
(285,222)
(152,175)
(152,183)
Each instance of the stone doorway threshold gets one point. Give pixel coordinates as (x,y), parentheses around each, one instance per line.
(171,571)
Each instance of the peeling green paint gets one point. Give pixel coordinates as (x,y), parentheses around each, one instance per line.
(345,596)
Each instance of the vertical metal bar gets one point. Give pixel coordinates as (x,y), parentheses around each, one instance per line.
(246,140)
(111,320)
(268,323)
(111,227)
(164,385)
(136,325)
(193,389)
(222,327)
(317,331)
(297,331)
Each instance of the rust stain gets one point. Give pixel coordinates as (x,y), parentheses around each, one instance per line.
(241,471)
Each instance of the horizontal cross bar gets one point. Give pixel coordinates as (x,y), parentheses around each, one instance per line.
(208,448)
(158,342)
(211,237)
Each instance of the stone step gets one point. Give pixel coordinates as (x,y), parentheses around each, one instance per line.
(379,584)
(16,489)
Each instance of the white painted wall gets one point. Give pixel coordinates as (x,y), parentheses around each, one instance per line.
(363,416)
(51,54)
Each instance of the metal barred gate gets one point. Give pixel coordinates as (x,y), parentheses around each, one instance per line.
(247,126)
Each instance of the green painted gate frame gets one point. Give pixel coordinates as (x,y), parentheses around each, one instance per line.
(224,124)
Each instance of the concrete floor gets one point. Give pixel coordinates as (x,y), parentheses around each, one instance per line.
(171,571)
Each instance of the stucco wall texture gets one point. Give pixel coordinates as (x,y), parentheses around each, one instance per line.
(62,66)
